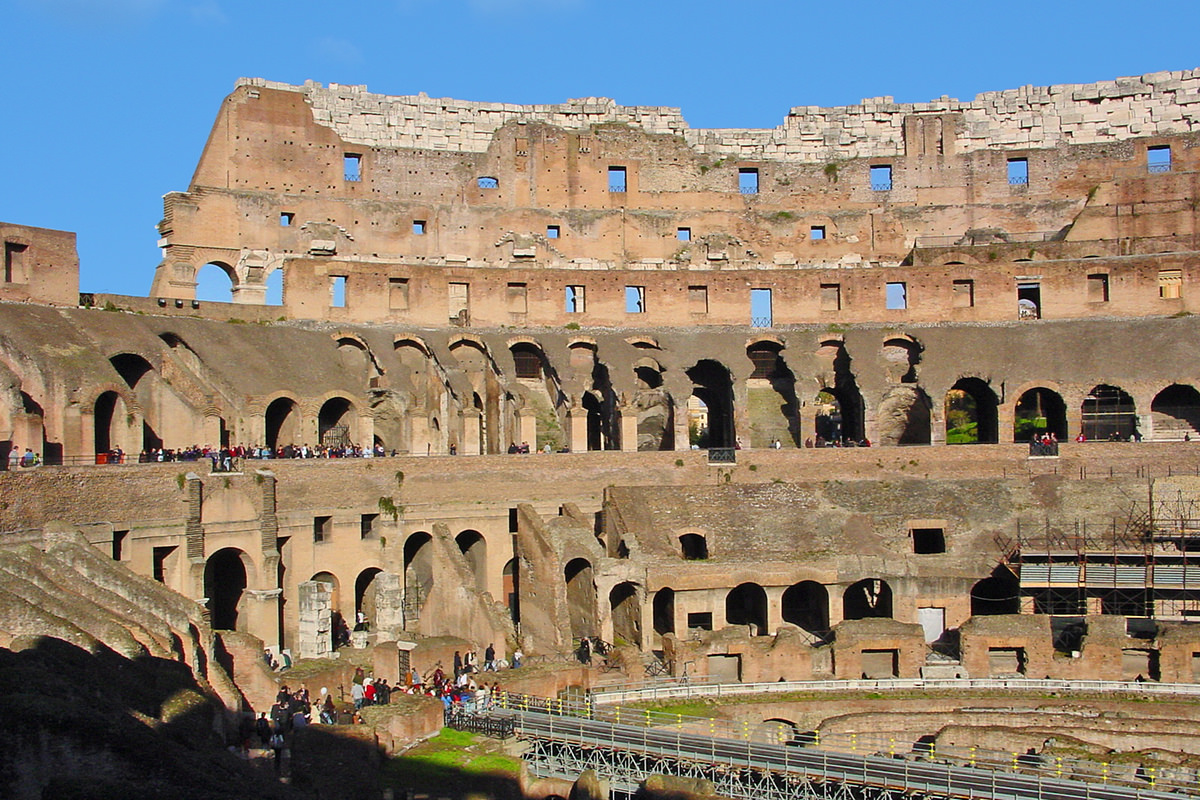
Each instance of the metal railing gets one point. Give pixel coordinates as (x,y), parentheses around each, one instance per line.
(881,187)
(1158,167)
(1018,180)
(722,455)
(761,322)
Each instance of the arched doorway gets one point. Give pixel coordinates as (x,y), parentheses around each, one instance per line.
(971,413)
(839,402)
(335,423)
(224,583)
(806,605)
(282,423)
(712,385)
(626,614)
(109,416)
(1039,411)
(474,549)
(1108,413)
(338,629)
(511,577)
(1175,412)
(418,569)
(364,593)
(866,599)
(664,611)
(772,406)
(215,282)
(999,593)
(581,597)
(746,604)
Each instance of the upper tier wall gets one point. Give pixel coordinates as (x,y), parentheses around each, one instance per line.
(1030,117)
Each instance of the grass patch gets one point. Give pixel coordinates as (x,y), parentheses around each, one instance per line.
(458,765)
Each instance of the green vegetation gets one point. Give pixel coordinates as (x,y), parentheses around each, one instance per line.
(454,764)
(831,171)
(962,416)
(388,505)
(572,326)
(782,216)
(679,462)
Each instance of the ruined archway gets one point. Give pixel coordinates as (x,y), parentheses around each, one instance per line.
(654,405)
(474,549)
(626,614)
(664,611)
(746,604)
(418,569)
(772,406)
(693,547)
(712,385)
(224,583)
(581,597)
(998,593)
(335,423)
(839,403)
(904,416)
(1039,411)
(1108,412)
(511,577)
(806,605)
(282,420)
(110,418)
(868,598)
(365,593)
(971,413)
(902,355)
(1175,412)
(215,282)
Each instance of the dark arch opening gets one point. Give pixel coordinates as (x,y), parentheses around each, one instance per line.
(512,588)
(103,419)
(664,611)
(581,597)
(806,605)
(1175,412)
(840,412)
(713,386)
(866,599)
(971,413)
(333,422)
(474,549)
(364,593)
(999,593)
(527,360)
(1039,411)
(693,547)
(774,410)
(1109,413)
(418,568)
(283,423)
(626,614)
(224,583)
(130,367)
(746,604)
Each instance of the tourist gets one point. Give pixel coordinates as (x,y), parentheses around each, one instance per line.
(14,456)
(489,658)
(358,694)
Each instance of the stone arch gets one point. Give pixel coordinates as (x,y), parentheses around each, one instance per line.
(775,731)
(712,385)
(654,406)
(1108,412)
(626,610)
(215,282)
(1039,410)
(581,597)
(358,356)
(226,576)
(1175,412)
(972,413)
(839,413)
(510,577)
(336,422)
(643,342)
(141,378)
(870,597)
(806,605)
(529,360)
(901,356)
(772,406)
(112,418)
(663,611)
(693,546)
(746,604)
(335,587)
(473,547)
(999,593)
(365,592)
(904,416)
(418,568)
(281,422)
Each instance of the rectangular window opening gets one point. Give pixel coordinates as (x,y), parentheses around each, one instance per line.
(286,218)
(1158,158)
(683,234)
(928,540)
(118,545)
(14,262)
(635,299)
(575,300)
(553,231)
(702,621)
(418,227)
(322,528)
(337,291)
(398,293)
(816,233)
(1018,171)
(616,179)
(1170,284)
(518,298)
(160,566)
(963,292)
(698,299)
(748,180)
(881,178)
(352,167)
(1029,301)
(459,302)
(897,296)
(368,525)
(831,297)
(761,313)
(1097,287)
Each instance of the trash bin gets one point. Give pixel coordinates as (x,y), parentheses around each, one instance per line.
(101,458)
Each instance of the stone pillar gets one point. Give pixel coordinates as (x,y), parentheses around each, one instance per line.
(74,433)
(418,440)
(577,429)
(389,605)
(679,417)
(774,608)
(470,438)
(836,608)
(315,639)
(937,418)
(366,431)
(194,532)
(528,423)
(629,429)
(248,294)
(212,430)
(262,614)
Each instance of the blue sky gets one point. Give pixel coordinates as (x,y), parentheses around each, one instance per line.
(107,103)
